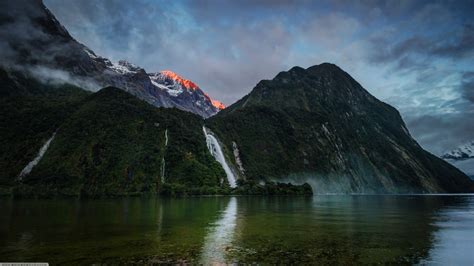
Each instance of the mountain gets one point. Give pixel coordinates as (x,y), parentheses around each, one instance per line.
(113,144)
(463,152)
(318,125)
(462,157)
(61,134)
(33,40)
(63,140)
(117,144)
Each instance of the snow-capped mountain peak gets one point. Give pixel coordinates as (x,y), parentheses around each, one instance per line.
(175,85)
(462,152)
(124,67)
(184,82)
(171,86)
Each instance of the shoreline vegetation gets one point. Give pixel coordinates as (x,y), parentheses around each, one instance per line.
(245,188)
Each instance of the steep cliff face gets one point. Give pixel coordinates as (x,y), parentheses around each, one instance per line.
(33,40)
(319,125)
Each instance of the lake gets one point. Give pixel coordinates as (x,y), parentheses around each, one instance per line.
(332,229)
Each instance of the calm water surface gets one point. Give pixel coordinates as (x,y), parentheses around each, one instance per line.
(435,229)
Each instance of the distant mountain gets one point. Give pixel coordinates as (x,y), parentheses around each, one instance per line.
(319,125)
(32,39)
(465,151)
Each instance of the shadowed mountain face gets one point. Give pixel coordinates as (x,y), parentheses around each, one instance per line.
(33,40)
(319,125)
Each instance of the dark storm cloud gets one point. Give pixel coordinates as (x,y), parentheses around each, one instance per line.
(416,55)
(459,45)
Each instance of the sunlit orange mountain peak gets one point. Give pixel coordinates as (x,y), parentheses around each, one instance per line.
(217,104)
(185,82)
(191,86)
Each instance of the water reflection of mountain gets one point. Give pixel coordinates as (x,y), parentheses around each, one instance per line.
(348,229)
(307,230)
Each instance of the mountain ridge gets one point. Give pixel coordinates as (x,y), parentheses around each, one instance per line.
(322,126)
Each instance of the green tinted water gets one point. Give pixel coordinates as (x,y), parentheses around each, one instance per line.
(320,229)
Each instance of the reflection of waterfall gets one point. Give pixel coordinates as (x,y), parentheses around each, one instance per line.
(216,151)
(163,162)
(36,160)
(220,236)
(160,218)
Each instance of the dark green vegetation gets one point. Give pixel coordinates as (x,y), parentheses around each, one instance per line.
(250,187)
(321,230)
(114,143)
(319,125)
(30,112)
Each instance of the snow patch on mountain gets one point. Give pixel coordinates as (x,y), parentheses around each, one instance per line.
(462,152)
(171,86)
(124,67)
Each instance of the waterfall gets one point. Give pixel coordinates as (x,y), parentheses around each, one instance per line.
(220,237)
(163,162)
(216,151)
(36,160)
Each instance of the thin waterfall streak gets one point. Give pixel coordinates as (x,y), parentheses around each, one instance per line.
(163,165)
(37,159)
(163,162)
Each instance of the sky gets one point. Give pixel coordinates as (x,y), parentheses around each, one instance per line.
(415,55)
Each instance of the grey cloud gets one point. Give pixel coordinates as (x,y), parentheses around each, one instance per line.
(23,42)
(226,60)
(467,86)
(462,45)
(226,47)
(386,49)
(59,77)
(442,133)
